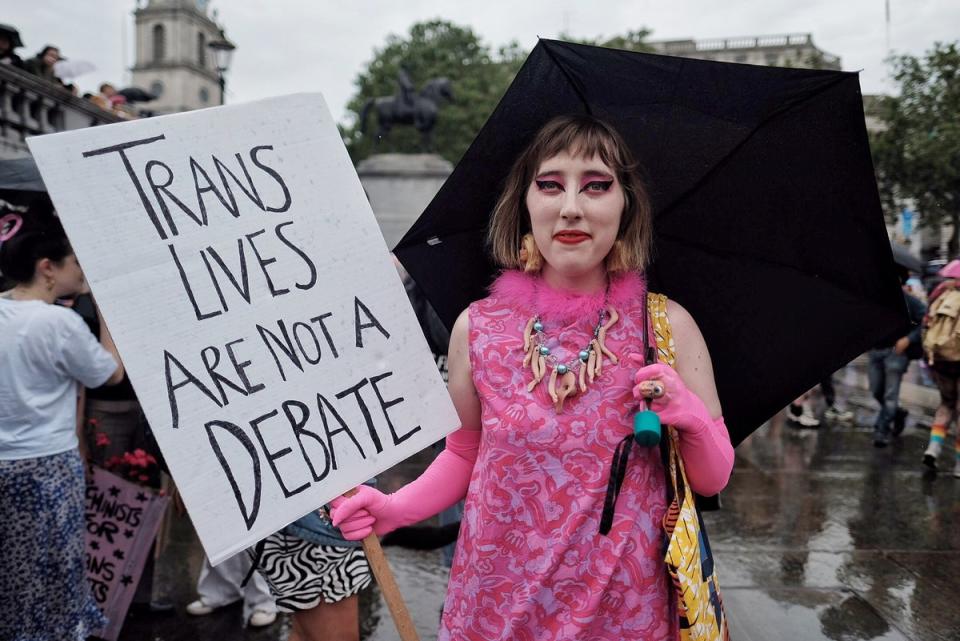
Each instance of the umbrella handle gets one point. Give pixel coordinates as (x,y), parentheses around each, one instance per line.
(646,427)
(646,423)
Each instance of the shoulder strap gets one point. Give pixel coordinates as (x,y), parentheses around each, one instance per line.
(666,349)
(688,557)
(667,353)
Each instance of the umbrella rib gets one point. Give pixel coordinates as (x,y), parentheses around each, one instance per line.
(573,83)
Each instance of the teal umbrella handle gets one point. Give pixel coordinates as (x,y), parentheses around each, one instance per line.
(646,428)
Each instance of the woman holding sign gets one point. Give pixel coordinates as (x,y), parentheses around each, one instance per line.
(45,352)
(555,377)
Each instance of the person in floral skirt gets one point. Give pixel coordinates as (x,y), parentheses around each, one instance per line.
(45,352)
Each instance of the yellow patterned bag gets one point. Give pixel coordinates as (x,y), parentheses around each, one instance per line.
(688,558)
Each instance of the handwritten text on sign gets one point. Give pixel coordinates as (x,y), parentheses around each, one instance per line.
(265,330)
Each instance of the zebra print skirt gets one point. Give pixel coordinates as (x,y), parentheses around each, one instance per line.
(302,574)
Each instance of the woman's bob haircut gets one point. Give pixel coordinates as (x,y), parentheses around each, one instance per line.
(584,136)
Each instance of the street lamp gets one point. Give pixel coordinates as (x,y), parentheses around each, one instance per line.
(222,54)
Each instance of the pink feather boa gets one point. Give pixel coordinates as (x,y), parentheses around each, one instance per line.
(530,294)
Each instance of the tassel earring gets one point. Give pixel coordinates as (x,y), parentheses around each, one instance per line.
(50,283)
(531,260)
(617,258)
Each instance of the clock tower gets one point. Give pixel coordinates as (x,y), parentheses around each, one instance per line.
(172,59)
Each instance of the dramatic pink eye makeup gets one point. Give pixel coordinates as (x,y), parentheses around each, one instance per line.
(591,181)
(598,186)
(596,181)
(551,181)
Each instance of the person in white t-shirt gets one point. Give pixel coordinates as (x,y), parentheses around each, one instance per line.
(46,352)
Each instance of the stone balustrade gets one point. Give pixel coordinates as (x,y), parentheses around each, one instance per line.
(31,106)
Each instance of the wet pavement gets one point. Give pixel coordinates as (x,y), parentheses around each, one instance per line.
(821,536)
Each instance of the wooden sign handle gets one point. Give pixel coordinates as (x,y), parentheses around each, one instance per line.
(388,586)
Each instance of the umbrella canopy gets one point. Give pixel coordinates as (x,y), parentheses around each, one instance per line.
(12,33)
(20,174)
(903,257)
(69,69)
(136,94)
(768,226)
(950,270)
(22,191)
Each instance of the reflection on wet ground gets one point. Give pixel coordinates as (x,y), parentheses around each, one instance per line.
(821,536)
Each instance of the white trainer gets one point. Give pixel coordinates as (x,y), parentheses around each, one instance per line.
(841,416)
(262,618)
(807,418)
(931,454)
(198,608)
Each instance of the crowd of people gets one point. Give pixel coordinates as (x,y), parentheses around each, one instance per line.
(51,66)
(933,342)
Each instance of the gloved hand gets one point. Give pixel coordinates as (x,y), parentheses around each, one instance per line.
(369,510)
(678,406)
(704,441)
(441,485)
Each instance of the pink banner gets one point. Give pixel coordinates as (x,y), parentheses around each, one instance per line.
(122,521)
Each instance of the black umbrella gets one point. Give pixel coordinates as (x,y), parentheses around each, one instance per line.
(768,223)
(13,34)
(903,257)
(22,191)
(136,94)
(20,175)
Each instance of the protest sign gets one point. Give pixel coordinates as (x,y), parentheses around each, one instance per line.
(265,330)
(122,522)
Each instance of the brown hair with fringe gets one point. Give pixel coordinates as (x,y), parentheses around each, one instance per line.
(585,136)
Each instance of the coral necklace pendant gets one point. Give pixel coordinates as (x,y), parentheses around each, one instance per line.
(567,379)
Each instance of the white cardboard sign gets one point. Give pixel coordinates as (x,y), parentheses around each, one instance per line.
(266,332)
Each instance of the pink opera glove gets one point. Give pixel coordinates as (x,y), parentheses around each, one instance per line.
(704,441)
(441,485)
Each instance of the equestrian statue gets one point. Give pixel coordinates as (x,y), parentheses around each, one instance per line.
(406,107)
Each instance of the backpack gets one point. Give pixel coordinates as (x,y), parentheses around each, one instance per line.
(941,338)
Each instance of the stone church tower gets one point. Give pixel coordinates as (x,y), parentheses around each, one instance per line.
(172,59)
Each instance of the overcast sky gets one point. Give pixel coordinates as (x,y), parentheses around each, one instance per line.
(286,46)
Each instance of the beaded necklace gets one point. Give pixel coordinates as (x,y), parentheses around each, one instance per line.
(573,374)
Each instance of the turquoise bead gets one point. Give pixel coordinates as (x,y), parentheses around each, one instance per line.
(544,350)
(646,428)
(584,355)
(561,369)
(538,326)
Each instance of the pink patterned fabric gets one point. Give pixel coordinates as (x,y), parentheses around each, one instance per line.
(530,563)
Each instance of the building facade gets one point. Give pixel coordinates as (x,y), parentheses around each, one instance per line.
(172,59)
(789,50)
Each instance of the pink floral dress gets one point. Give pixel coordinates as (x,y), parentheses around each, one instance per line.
(530,563)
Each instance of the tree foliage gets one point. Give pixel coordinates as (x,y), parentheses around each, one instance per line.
(631,41)
(917,155)
(479,74)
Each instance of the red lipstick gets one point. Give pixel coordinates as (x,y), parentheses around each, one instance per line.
(571,237)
